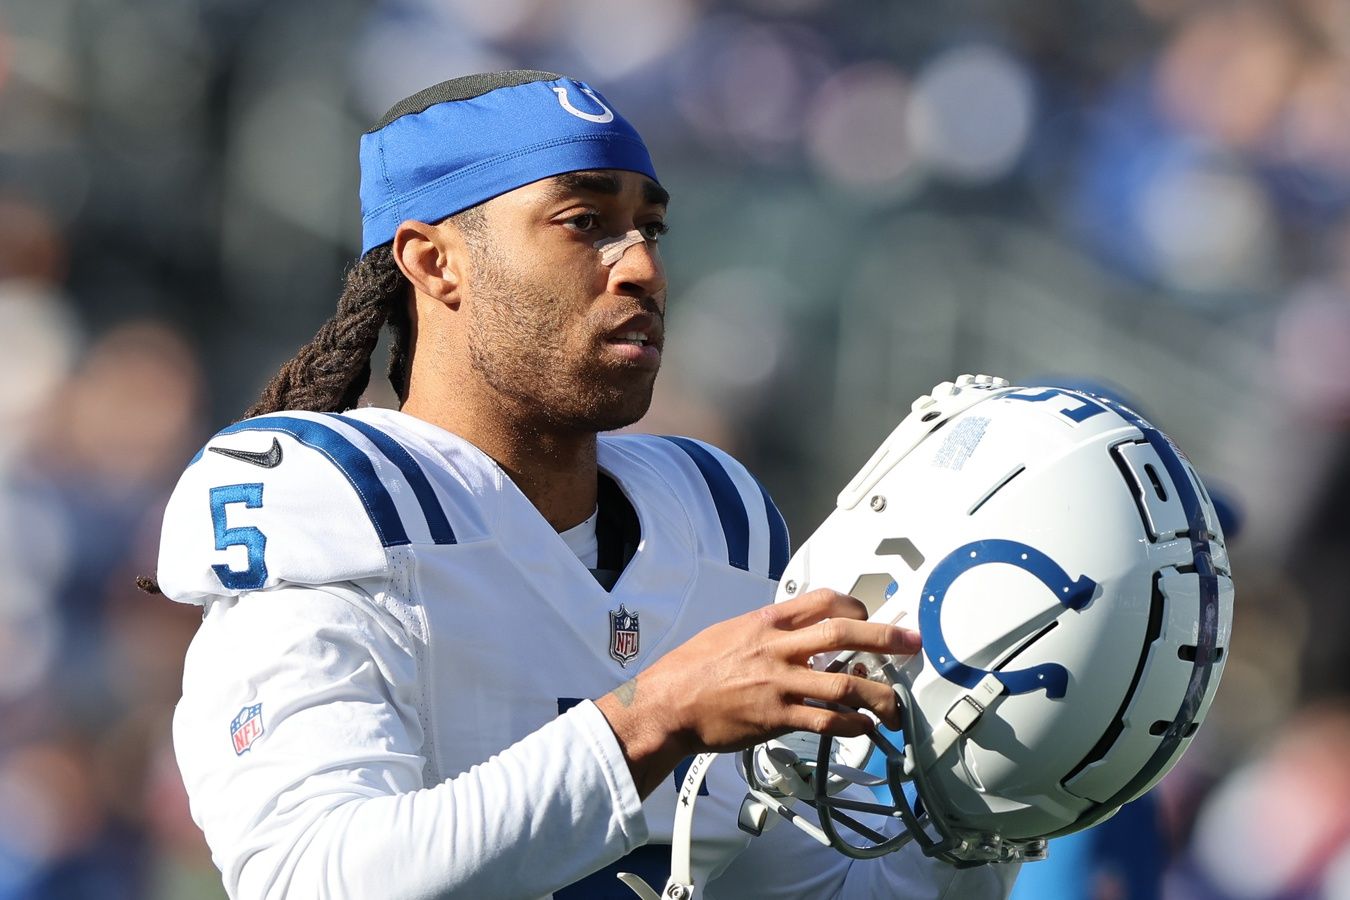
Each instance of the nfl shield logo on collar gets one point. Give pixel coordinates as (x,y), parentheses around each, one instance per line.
(623,635)
(246,728)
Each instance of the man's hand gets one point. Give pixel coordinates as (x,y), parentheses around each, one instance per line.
(745,680)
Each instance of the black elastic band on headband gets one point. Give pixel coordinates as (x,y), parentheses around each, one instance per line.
(465,88)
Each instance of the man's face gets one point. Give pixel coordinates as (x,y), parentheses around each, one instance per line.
(567,341)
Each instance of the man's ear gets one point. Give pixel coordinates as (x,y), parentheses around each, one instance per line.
(432,257)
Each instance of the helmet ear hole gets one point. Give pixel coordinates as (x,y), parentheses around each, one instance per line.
(874,590)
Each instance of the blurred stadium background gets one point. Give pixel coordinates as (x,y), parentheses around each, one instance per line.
(870,197)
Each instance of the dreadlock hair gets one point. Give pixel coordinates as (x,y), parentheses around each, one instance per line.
(330,373)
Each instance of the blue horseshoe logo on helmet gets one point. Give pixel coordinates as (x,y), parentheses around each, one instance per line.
(1072,594)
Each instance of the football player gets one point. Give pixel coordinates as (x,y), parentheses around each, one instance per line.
(465,647)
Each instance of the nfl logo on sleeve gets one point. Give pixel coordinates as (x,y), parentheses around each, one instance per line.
(623,635)
(246,728)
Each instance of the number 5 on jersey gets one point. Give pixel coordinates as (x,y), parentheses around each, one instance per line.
(245,536)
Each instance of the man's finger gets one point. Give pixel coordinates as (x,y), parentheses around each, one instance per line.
(812,607)
(828,721)
(845,690)
(847,634)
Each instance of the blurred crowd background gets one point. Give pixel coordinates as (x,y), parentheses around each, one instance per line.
(870,197)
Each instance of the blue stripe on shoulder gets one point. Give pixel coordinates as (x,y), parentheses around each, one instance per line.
(727,499)
(437,523)
(353,463)
(779,543)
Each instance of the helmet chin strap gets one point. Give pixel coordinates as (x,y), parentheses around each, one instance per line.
(680,885)
(753,819)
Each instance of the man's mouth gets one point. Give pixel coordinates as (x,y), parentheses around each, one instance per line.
(637,341)
(637,338)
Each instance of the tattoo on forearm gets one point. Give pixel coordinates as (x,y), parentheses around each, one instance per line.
(626,692)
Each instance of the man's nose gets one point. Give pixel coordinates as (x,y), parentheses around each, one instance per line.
(639,272)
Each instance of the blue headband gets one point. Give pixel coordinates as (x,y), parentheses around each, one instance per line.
(467,140)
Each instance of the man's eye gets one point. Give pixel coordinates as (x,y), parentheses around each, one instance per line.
(652,231)
(585,222)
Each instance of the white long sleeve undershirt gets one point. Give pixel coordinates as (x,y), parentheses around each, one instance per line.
(329,801)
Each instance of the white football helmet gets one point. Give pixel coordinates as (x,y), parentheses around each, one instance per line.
(1067,572)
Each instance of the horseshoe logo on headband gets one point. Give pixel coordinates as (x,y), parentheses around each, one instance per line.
(599,119)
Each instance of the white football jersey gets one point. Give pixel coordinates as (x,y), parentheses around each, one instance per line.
(390,694)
